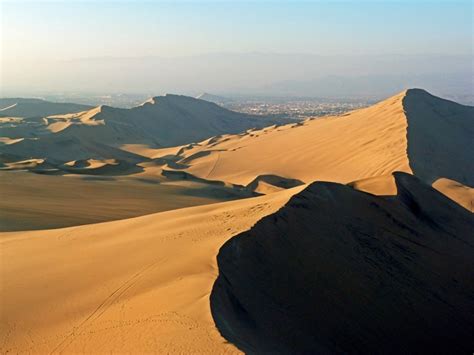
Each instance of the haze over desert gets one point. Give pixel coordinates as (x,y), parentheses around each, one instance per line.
(224,177)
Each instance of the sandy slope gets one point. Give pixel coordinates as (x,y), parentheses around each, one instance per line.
(380,185)
(35,201)
(149,152)
(463,195)
(341,271)
(36,107)
(364,143)
(135,285)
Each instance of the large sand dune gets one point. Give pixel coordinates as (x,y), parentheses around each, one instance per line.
(413,132)
(342,271)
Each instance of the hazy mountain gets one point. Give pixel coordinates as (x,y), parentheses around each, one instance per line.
(270,74)
(457,86)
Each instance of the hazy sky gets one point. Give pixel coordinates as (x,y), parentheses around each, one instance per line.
(41,36)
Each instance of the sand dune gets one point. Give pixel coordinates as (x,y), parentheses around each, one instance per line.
(58,123)
(342,271)
(37,201)
(401,133)
(165,121)
(362,273)
(149,152)
(61,148)
(103,167)
(6,140)
(21,107)
(397,134)
(137,285)
(380,185)
(265,184)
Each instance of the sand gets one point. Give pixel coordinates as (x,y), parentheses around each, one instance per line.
(36,107)
(463,195)
(143,284)
(361,144)
(35,201)
(137,285)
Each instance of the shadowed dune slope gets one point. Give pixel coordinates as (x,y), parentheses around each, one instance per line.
(365,143)
(337,270)
(440,137)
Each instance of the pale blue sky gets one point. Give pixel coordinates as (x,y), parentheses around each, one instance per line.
(37,35)
(70,29)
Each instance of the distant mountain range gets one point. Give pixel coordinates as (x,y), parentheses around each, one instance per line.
(270,74)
